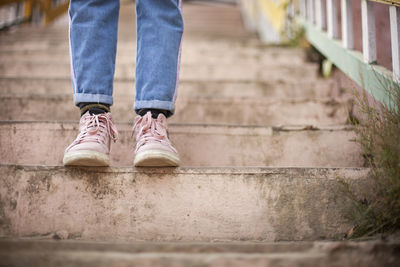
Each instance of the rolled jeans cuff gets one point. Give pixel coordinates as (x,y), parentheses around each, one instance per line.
(156,104)
(93,98)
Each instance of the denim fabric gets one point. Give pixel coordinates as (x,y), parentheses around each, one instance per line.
(93,42)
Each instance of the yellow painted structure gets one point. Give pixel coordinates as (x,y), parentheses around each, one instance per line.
(267,17)
(275,11)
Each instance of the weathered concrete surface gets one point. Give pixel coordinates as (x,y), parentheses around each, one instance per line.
(239,72)
(235,58)
(53,243)
(60,253)
(346,254)
(215,52)
(198,145)
(176,204)
(190,88)
(232,110)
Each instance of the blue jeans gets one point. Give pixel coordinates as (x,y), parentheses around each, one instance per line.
(93,45)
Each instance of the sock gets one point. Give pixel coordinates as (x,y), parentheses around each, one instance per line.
(154,112)
(93,108)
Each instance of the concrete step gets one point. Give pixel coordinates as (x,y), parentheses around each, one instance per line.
(54,243)
(38,43)
(47,253)
(198,145)
(58,38)
(126,33)
(176,204)
(207,53)
(46,41)
(243,111)
(187,88)
(210,72)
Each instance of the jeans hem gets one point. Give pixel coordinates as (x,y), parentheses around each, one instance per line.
(93,98)
(156,104)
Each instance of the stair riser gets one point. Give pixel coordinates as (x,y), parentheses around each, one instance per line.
(214,111)
(193,56)
(106,259)
(175,204)
(342,254)
(192,47)
(193,72)
(188,88)
(52,244)
(198,47)
(44,143)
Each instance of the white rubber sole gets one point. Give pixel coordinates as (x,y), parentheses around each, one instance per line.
(156,158)
(85,158)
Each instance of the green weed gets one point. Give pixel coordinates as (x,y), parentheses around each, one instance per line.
(376,210)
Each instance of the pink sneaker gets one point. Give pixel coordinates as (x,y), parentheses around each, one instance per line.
(153,148)
(92,146)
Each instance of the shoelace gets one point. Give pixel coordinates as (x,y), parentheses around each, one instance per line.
(96,128)
(151,130)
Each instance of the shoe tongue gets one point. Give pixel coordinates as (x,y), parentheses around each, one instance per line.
(96,111)
(161,119)
(154,113)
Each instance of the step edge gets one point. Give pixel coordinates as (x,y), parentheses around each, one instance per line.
(274,128)
(187,99)
(193,170)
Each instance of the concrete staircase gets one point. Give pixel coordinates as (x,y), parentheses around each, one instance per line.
(263,142)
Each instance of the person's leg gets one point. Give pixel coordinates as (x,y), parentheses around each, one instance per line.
(93,42)
(93,45)
(159,37)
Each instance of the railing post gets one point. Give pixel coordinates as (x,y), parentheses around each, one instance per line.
(347,24)
(291,9)
(303,8)
(368,31)
(332,15)
(320,14)
(310,11)
(395,37)
(20,11)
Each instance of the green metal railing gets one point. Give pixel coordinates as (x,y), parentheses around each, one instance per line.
(394,3)
(320,21)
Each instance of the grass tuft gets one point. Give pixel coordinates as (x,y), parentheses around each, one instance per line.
(376,210)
